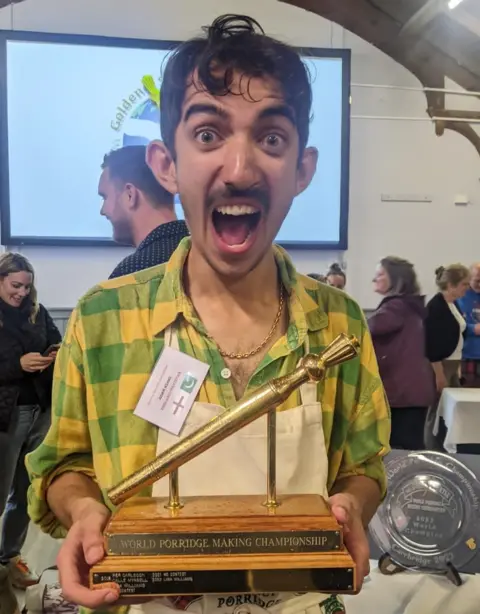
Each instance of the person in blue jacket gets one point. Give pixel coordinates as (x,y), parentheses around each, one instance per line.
(470,308)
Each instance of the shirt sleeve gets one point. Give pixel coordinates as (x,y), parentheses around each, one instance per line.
(368,436)
(67,446)
(388,318)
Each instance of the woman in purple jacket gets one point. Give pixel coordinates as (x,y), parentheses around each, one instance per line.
(397,328)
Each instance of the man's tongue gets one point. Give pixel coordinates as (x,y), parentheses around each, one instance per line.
(233,229)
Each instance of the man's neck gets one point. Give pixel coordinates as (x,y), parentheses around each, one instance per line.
(258,287)
(145,224)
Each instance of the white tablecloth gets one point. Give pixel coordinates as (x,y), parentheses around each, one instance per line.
(414,593)
(460,409)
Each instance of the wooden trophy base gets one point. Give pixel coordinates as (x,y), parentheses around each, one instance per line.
(224,545)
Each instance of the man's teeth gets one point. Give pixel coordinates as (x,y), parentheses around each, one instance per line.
(236,209)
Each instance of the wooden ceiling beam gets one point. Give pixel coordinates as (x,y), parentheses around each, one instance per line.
(4,3)
(464,129)
(427,13)
(425,60)
(449,113)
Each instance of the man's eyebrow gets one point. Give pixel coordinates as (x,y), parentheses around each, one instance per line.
(204,108)
(281,110)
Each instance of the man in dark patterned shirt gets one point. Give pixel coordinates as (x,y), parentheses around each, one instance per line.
(140,210)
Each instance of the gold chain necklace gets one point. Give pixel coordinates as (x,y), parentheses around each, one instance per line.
(265,341)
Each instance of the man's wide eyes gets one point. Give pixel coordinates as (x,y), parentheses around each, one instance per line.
(205,136)
(270,140)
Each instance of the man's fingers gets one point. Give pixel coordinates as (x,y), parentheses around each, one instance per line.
(93,548)
(80,595)
(357,545)
(360,555)
(344,510)
(73,572)
(341,514)
(75,592)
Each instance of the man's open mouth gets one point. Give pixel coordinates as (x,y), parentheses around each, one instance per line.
(235,224)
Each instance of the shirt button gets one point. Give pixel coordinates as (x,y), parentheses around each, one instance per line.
(226,373)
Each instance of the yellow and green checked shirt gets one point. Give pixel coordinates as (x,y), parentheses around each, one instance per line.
(114,338)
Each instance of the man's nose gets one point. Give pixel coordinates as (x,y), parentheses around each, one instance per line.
(239,166)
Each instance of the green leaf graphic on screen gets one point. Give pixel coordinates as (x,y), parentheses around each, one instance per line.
(188,383)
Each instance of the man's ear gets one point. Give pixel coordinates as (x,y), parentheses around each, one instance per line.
(306,168)
(132,195)
(161,163)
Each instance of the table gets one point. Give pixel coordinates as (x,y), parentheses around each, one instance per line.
(415,593)
(460,409)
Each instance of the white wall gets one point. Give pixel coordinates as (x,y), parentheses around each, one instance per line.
(386,156)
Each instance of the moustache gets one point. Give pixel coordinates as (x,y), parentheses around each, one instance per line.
(257,194)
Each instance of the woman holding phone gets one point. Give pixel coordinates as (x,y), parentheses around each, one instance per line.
(28,344)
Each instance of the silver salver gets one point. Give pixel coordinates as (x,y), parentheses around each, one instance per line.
(430,518)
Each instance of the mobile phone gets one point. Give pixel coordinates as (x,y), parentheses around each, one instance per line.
(52,348)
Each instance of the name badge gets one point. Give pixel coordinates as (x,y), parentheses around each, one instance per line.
(171,390)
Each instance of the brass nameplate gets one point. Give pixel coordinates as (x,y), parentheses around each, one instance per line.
(156,583)
(261,542)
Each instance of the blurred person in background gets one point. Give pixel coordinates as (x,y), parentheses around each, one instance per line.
(469,306)
(141,211)
(28,343)
(444,329)
(336,276)
(397,328)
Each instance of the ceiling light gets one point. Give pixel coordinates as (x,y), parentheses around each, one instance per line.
(454,3)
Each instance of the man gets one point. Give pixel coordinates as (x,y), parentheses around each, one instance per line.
(141,212)
(470,308)
(235,116)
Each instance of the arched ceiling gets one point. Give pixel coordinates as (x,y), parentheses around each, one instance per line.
(426,37)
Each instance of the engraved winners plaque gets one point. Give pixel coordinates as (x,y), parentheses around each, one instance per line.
(430,519)
(227,544)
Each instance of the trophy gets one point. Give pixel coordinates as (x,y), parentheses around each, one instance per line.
(430,519)
(227,544)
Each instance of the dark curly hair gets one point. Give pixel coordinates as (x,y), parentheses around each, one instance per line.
(232,45)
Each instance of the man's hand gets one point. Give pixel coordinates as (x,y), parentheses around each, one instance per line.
(82,548)
(34,361)
(345,509)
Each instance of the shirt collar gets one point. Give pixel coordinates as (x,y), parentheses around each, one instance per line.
(169,229)
(306,313)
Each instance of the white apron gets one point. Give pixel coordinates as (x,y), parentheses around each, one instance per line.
(237,466)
